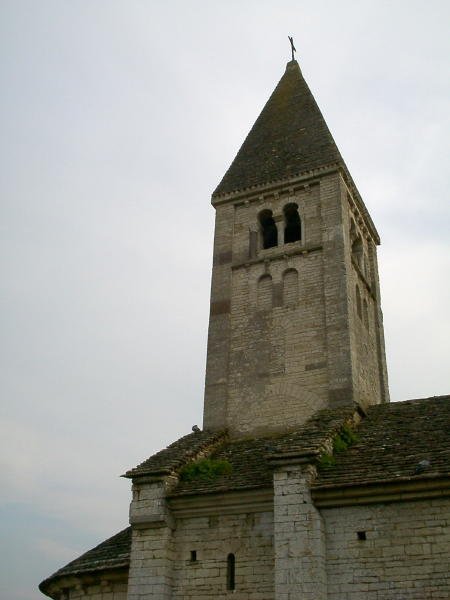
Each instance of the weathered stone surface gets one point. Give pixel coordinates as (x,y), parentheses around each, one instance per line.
(295,353)
(394,440)
(264,336)
(406,554)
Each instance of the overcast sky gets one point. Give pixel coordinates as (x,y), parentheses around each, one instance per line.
(118,120)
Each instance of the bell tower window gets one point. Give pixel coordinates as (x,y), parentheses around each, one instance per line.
(269,230)
(293,227)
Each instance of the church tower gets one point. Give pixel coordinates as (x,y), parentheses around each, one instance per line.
(295,317)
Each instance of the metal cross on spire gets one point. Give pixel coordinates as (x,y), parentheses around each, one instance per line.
(293,48)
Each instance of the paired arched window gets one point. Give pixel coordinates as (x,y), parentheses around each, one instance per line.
(269,230)
(292,224)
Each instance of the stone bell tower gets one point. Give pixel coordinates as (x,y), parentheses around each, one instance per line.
(295,320)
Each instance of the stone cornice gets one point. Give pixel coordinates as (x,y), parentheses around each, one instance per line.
(248,501)
(277,254)
(403,490)
(255,193)
(302,180)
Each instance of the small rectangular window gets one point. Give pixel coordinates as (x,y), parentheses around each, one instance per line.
(361,535)
(193,555)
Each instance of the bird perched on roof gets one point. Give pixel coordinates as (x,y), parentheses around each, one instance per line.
(421,466)
(195,428)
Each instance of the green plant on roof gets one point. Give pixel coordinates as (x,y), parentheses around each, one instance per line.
(343,440)
(205,469)
(326,461)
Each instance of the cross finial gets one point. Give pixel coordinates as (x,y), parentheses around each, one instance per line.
(293,49)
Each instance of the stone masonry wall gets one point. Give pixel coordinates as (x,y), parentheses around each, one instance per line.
(405,556)
(216,381)
(248,536)
(152,550)
(335,274)
(279,352)
(365,319)
(277,366)
(299,537)
(102,590)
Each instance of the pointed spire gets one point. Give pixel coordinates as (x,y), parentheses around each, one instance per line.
(289,137)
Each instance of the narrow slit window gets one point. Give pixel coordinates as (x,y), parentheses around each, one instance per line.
(293,226)
(361,536)
(193,555)
(231,565)
(269,230)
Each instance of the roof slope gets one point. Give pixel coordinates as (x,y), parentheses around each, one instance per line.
(393,439)
(113,553)
(251,459)
(289,137)
(176,455)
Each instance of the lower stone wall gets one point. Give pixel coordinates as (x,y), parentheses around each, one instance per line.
(405,554)
(248,536)
(96,589)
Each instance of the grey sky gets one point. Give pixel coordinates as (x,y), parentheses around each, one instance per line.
(118,120)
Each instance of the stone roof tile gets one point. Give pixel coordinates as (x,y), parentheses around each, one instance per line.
(177,454)
(252,459)
(249,469)
(290,137)
(394,439)
(113,553)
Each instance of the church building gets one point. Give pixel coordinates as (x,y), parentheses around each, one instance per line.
(305,482)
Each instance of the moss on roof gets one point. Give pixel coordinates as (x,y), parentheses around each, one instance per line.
(397,441)
(400,440)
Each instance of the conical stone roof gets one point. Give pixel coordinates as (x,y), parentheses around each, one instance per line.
(289,137)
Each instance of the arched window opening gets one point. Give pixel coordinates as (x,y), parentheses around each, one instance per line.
(265,293)
(269,230)
(231,566)
(293,227)
(358,302)
(365,314)
(357,252)
(290,287)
